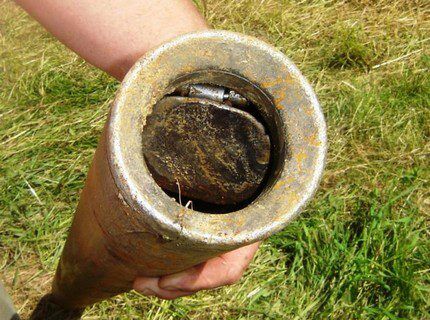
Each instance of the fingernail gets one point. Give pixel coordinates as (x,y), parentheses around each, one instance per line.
(170,288)
(147,292)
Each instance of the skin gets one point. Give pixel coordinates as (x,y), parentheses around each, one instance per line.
(112,35)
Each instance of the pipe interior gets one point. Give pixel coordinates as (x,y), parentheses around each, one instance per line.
(263,109)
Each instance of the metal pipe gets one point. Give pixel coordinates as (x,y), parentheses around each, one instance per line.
(126,226)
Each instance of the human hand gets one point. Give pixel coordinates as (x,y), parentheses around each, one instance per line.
(224,270)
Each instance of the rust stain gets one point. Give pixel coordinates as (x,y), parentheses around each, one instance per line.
(314,141)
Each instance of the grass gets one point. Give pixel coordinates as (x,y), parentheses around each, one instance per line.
(359,251)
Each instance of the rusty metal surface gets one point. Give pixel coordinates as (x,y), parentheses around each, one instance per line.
(126,225)
(110,244)
(257,71)
(205,150)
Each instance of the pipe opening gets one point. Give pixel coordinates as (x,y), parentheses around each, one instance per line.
(215,142)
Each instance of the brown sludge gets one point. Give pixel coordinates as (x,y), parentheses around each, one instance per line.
(205,150)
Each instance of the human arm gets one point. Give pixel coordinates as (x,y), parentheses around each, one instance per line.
(112,35)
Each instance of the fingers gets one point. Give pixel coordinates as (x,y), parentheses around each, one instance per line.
(223,270)
(149,287)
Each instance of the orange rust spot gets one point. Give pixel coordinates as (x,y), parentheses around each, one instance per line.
(293,198)
(283,183)
(308,110)
(279,184)
(182,212)
(282,94)
(271,83)
(240,222)
(289,180)
(277,81)
(300,157)
(314,141)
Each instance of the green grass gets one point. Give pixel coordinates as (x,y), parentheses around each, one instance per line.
(359,251)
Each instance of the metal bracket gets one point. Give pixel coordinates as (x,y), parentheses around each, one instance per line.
(212,92)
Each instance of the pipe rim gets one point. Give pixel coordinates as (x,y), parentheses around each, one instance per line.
(298,108)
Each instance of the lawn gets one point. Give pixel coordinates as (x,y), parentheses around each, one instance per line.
(359,251)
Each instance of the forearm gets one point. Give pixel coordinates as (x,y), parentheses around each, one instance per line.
(113,34)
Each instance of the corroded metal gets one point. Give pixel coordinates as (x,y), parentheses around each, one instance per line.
(126,226)
(205,150)
(215,93)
